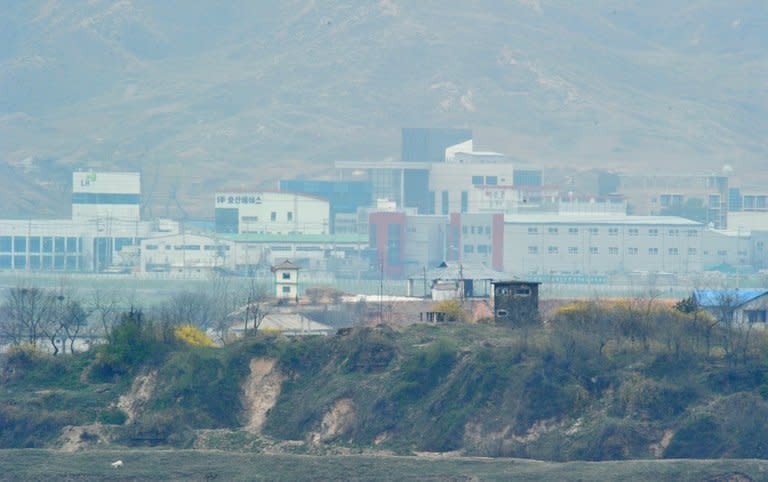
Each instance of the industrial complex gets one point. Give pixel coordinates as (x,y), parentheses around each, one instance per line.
(442,201)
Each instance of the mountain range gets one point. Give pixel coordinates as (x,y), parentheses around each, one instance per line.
(203,95)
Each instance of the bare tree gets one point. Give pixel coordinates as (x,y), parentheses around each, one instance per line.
(106,307)
(27,311)
(10,327)
(257,305)
(73,319)
(223,300)
(186,308)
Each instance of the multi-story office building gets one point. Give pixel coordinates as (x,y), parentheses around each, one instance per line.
(477,239)
(703,197)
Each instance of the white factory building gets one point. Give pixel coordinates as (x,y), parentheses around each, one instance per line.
(602,244)
(102,235)
(186,253)
(102,196)
(272,212)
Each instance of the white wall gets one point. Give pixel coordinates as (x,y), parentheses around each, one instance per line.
(108,183)
(183,252)
(748,220)
(455,178)
(576,244)
(726,247)
(424,242)
(277,212)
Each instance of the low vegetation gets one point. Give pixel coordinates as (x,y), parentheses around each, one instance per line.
(598,381)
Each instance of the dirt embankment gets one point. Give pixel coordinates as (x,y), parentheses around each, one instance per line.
(133,402)
(336,422)
(260,392)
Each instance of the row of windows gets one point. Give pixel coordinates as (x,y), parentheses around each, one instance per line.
(59,262)
(49,244)
(104,198)
(487,180)
(476,229)
(272,217)
(653,232)
(186,247)
(611,250)
(480,249)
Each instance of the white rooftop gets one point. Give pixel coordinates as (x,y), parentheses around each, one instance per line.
(289,324)
(598,219)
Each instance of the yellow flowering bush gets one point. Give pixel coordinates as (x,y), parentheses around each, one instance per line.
(192,336)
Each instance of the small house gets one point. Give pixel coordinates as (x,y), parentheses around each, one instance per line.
(286,281)
(515,302)
(455,281)
(741,307)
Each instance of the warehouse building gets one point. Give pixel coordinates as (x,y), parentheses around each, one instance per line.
(103,234)
(602,244)
(271,212)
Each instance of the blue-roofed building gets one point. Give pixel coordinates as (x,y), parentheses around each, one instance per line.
(744,306)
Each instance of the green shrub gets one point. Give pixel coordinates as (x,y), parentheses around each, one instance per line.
(23,428)
(420,373)
(160,428)
(452,310)
(648,399)
(611,440)
(198,389)
(112,416)
(369,351)
(131,343)
(699,438)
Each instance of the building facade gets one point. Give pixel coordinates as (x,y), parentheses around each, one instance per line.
(344,197)
(602,244)
(287,281)
(271,212)
(186,253)
(106,196)
(103,234)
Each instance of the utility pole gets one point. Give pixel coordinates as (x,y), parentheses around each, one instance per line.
(381,290)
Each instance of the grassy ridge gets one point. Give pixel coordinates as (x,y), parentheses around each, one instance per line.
(612,382)
(210,465)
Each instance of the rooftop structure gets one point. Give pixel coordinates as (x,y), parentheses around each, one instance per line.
(429,144)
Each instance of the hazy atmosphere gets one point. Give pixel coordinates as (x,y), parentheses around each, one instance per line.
(200,97)
(384,240)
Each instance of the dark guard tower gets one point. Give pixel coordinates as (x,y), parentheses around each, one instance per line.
(516,303)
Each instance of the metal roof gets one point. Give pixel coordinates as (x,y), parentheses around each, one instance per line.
(457,271)
(351,238)
(733,297)
(287,265)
